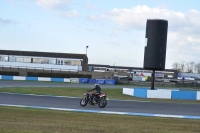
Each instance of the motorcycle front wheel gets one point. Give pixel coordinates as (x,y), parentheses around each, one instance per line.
(83,102)
(102,103)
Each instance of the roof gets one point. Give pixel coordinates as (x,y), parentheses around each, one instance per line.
(125,67)
(117,67)
(98,65)
(43,54)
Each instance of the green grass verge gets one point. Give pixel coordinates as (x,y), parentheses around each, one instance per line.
(113,93)
(26,120)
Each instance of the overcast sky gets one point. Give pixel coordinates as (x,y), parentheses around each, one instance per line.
(114,30)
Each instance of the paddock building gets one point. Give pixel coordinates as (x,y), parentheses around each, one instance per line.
(43,60)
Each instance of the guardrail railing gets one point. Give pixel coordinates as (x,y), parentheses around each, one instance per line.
(38,68)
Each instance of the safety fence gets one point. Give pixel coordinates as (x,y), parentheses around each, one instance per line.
(162,93)
(69,80)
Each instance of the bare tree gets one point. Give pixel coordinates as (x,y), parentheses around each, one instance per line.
(190,67)
(187,67)
(176,66)
(182,66)
(197,67)
(192,64)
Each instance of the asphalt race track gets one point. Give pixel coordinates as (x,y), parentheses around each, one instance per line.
(122,106)
(112,106)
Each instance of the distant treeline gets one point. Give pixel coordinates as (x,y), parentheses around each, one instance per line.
(190,67)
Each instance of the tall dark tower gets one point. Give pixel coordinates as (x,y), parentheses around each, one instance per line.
(155,50)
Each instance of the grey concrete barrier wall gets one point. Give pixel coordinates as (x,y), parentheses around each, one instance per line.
(100,75)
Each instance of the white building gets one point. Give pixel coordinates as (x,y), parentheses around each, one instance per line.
(44,60)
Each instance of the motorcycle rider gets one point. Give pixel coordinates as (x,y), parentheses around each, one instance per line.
(98,91)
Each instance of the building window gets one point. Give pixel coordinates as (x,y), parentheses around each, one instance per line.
(68,62)
(52,61)
(37,60)
(11,59)
(19,59)
(27,60)
(41,60)
(60,62)
(6,58)
(76,62)
(44,61)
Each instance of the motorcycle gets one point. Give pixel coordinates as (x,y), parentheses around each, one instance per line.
(101,100)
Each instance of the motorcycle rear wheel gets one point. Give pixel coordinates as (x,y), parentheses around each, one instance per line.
(83,102)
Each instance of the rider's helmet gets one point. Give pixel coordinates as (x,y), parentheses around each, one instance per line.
(95,85)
